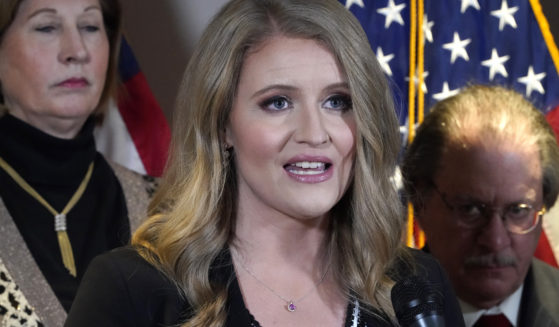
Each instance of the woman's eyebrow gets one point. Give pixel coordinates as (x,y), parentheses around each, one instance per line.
(274,87)
(40,11)
(54,11)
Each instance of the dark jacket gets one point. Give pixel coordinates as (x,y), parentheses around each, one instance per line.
(122,289)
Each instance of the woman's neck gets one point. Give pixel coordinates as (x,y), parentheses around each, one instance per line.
(59,127)
(43,159)
(281,261)
(281,240)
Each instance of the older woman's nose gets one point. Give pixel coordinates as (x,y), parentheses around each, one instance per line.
(73,48)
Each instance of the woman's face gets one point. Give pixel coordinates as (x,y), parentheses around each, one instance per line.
(292,129)
(53,63)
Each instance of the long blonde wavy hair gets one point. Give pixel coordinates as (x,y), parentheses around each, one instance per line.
(193,214)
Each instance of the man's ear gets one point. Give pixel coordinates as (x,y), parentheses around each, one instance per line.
(418,204)
(418,213)
(418,201)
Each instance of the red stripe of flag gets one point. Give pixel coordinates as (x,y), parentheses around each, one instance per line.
(146,123)
(142,115)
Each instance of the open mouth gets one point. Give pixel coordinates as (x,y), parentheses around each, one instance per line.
(307,167)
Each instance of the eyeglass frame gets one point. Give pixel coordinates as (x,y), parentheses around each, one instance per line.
(487,211)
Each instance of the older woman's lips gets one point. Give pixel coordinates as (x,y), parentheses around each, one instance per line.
(74,83)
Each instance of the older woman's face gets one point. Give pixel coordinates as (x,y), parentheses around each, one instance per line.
(292,129)
(53,63)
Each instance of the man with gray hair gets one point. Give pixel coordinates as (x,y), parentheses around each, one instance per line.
(481,172)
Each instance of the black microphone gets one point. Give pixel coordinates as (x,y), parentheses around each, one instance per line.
(417,304)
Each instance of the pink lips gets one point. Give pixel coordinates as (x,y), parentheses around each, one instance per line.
(309,169)
(74,83)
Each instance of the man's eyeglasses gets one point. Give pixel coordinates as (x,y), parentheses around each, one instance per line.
(518,218)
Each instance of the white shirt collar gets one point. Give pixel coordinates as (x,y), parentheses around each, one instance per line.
(509,307)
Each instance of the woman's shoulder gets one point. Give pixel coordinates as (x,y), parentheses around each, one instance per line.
(128,263)
(121,288)
(124,256)
(132,270)
(138,189)
(133,179)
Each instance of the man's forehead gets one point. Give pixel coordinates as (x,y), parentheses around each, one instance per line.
(477,141)
(498,166)
(493,136)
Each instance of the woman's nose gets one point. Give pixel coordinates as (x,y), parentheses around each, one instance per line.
(311,127)
(73,48)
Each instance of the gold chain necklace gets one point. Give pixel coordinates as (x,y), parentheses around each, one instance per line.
(59,217)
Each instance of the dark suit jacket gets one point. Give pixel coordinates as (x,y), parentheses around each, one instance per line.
(122,289)
(540,298)
(539,305)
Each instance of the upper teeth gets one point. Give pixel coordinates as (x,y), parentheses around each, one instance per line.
(309,164)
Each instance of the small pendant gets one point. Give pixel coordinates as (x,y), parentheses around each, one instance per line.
(60,222)
(291,307)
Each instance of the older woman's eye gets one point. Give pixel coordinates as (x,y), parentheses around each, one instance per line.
(276,103)
(45,28)
(90,28)
(339,102)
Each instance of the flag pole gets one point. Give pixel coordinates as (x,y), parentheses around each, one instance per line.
(411,106)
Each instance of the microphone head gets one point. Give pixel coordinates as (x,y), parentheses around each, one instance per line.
(414,300)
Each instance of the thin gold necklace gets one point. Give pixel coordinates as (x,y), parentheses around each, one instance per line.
(59,217)
(290,304)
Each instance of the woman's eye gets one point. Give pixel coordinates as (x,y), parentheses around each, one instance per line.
(45,29)
(338,102)
(276,103)
(90,28)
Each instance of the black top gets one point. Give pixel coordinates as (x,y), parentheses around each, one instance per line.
(55,167)
(121,289)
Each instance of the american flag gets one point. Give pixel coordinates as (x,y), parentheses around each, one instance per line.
(135,132)
(505,42)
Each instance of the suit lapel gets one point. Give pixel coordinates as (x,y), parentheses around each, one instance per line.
(539,306)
